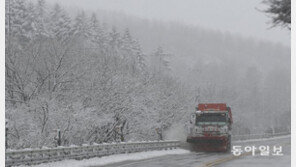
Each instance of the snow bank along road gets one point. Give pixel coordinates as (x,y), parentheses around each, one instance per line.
(246,159)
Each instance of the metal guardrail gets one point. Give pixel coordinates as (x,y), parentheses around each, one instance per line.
(37,156)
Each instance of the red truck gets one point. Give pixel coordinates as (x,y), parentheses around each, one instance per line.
(210,128)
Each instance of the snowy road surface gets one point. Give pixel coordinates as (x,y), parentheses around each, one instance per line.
(185,158)
(221,159)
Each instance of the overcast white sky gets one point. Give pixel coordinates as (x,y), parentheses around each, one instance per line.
(236,16)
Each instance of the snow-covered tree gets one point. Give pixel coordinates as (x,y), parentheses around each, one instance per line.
(81,26)
(41,19)
(60,24)
(98,33)
(159,62)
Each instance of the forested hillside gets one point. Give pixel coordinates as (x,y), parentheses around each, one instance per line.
(102,79)
(253,76)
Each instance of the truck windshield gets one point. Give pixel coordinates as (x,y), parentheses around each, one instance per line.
(211,117)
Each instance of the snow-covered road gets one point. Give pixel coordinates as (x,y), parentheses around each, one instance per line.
(222,159)
(185,158)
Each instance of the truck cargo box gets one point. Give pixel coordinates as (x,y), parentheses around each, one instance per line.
(212,106)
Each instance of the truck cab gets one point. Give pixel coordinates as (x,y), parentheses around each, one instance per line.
(210,127)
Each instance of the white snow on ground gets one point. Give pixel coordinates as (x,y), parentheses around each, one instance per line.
(112,159)
(263,139)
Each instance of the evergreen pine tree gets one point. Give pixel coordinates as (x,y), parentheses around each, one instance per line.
(41,19)
(60,24)
(159,62)
(97,32)
(81,26)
